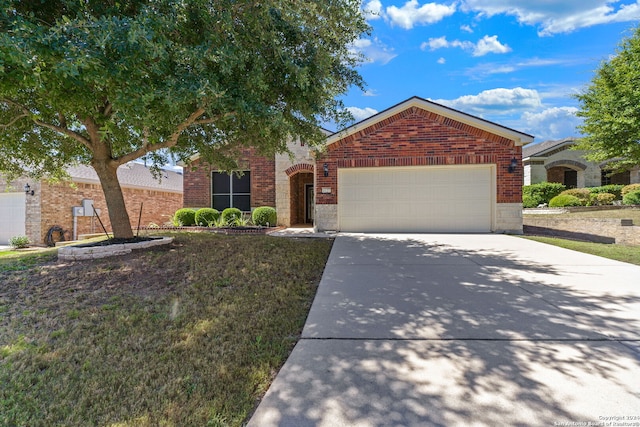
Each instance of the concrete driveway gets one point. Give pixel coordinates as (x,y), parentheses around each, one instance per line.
(473,330)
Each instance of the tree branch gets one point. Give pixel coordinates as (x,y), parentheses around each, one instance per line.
(169,142)
(60,129)
(12,121)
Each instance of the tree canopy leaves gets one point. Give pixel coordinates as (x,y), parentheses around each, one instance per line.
(610,106)
(106,82)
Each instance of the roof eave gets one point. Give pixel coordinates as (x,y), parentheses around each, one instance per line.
(519,138)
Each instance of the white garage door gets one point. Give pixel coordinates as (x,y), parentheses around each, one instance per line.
(416,199)
(12,216)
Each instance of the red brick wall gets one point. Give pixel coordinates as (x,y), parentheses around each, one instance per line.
(58,199)
(197,181)
(416,137)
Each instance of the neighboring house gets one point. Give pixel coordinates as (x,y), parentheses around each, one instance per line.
(51,204)
(415,167)
(555,161)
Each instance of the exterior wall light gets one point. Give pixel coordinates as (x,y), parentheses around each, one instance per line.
(513,165)
(325,168)
(28,190)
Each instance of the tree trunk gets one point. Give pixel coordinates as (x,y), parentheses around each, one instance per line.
(107,173)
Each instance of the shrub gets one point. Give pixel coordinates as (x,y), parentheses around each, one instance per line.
(529,202)
(629,188)
(206,216)
(542,192)
(264,216)
(582,194)
(231,216)
(19,242)
(564,200)
(604,198)
(632,198)
(614,189)
(184,217)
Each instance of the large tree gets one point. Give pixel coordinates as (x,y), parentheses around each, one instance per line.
(105,82)
(610,106)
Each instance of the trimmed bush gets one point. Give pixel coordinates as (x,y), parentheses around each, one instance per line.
(231,216)
(529,202)
(206,216)
(542,192)
(629,188)
(632,198)
(564,200)
(583,194)
(184,217)
(604,198)
(264,216)
(19,242)
(615,189)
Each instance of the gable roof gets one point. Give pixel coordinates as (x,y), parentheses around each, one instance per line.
(131,175)
(519,138)
(543,148)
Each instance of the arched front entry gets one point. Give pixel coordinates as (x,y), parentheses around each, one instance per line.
(567,172)
(302,194)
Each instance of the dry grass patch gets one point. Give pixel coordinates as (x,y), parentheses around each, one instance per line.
(190,334)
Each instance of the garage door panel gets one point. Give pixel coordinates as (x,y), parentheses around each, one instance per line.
(12,216)
(426,199)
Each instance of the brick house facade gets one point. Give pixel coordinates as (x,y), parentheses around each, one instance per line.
(198,189)
(416,137)
(51,203)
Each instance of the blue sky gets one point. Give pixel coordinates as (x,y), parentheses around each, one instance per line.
(514,62)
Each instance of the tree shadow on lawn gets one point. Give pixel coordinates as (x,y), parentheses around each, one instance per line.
(455,336)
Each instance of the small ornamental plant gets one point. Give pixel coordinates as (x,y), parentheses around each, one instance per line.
(19,242)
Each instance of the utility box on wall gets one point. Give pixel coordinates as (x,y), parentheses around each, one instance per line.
(87,205)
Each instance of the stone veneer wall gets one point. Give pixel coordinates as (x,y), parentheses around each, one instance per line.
(302,155)
(595,227)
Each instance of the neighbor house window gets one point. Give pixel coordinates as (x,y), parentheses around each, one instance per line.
(231,191)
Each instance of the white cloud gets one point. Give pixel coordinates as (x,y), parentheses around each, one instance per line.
(412,13)
(373,50)
(442,61)
(489,68)
(490,45)
(466,28)
(487,44)
(496,101)
(360,114)
(552,123)
(558,16)
(372,10)
(370,92)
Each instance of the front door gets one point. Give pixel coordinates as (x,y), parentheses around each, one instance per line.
(309,203)
(571,178)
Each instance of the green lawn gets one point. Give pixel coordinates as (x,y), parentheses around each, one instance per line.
(190,334)
(630,254)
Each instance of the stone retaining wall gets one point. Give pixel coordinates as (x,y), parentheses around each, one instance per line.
(597,230)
